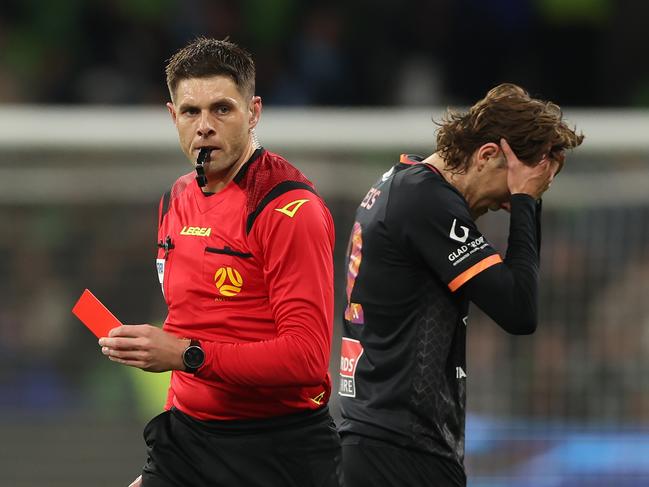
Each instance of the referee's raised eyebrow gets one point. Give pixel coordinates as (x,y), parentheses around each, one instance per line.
(223,101)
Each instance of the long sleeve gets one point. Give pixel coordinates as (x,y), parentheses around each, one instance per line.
(508,292)
(295,237)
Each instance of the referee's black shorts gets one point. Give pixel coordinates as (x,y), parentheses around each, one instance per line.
(300,450)
(368,462)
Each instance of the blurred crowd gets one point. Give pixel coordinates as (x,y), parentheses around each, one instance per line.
(364,52)
(48,360)
(588,362)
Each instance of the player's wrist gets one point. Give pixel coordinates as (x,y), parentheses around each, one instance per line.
(522,189)
(522,204)
(523,196)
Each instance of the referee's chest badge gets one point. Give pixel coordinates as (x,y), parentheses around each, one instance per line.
(228,282)
(350,354)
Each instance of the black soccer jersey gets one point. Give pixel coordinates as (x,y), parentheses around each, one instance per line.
(403,369)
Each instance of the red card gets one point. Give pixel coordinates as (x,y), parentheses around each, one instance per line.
(95,315)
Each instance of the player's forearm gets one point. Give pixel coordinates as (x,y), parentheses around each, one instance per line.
(508,293)
(507,296)
(524,232)
(522,260)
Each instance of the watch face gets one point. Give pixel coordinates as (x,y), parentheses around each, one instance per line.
(194,357)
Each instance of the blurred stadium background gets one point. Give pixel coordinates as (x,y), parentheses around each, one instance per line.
(86,150)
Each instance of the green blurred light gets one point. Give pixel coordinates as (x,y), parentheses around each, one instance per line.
(575,11)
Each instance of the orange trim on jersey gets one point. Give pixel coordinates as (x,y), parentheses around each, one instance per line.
(473,271)
(403,159)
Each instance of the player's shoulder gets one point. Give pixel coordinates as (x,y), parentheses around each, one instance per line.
(423,184)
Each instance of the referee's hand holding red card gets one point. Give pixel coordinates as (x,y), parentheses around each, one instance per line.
(146,347)
(92,313)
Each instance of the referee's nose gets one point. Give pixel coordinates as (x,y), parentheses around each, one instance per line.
(205,126)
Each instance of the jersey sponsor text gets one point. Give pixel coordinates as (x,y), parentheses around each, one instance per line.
(350,353)
(196,231)
(462,252)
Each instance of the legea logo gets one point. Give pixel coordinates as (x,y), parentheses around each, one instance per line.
(291,209)
(228,281)
(455,236)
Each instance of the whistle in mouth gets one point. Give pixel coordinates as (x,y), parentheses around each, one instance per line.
(203,154)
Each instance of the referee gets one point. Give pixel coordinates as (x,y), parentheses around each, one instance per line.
(415,261)
(245,264)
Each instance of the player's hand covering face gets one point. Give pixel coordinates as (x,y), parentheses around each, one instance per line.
(532,180)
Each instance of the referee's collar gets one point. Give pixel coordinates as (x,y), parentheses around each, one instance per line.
(246,165)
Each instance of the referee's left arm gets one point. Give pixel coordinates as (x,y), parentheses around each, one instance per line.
(297,250)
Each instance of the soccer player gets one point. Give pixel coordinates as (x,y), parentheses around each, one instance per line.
(415,260)
(245,263)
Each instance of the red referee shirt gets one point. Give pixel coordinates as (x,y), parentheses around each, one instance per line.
(249,272)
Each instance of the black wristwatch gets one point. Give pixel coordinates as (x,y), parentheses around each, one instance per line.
(193,357)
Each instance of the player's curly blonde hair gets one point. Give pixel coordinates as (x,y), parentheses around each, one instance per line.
(532,127)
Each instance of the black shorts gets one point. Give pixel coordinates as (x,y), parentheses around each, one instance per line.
(299,450)
(373,463)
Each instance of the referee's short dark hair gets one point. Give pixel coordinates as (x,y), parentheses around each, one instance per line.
(205,57)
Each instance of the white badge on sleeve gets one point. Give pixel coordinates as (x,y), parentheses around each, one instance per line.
(160,266)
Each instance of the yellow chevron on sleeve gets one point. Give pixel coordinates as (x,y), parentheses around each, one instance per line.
(291,209)
(318,399)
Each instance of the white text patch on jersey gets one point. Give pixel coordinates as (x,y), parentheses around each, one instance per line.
(350,353)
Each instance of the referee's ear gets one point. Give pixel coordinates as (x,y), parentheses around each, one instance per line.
(172,111)
(254,112)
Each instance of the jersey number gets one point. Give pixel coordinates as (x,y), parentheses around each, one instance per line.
(354,311)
